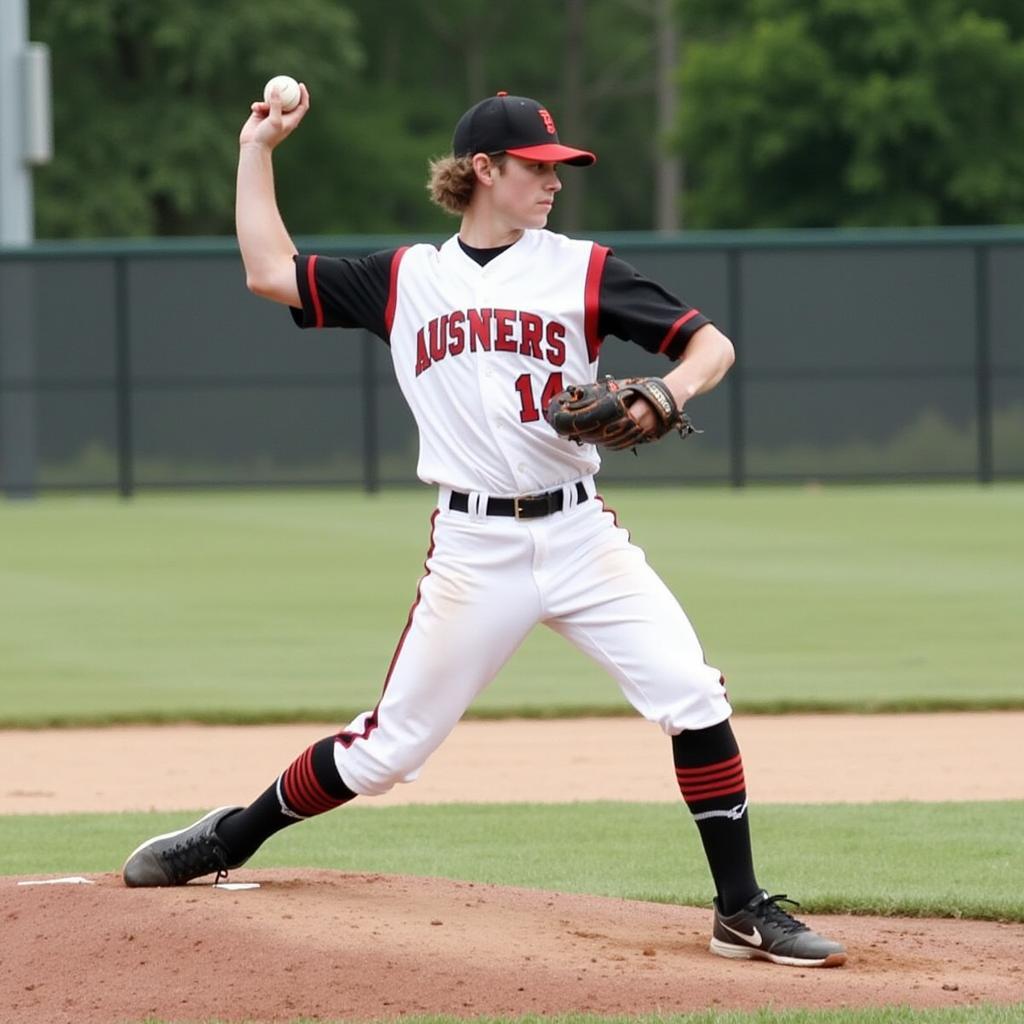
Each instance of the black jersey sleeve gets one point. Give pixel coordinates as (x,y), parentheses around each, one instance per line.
(635,308)
(340,292)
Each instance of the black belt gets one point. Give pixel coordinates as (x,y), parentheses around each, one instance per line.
(529,506)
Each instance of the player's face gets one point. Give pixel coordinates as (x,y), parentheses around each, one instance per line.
(524,192)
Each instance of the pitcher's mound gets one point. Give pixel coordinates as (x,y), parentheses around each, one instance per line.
(326,945)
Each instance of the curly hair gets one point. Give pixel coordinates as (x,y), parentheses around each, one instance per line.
(452,180)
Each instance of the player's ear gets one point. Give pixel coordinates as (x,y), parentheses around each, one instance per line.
(485,169)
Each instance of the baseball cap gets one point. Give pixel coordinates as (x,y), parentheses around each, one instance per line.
(516,125)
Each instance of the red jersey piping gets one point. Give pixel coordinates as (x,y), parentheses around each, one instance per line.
(674,329)
(389,310)
(346,738)
(592,298)
(314,294)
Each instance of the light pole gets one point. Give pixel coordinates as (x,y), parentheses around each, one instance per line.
(26,141)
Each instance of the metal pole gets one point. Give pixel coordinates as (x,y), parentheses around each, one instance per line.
(371,449)
(17,372)
(17,348)
(737,427)
(123,397)
(16,212)
(983,364)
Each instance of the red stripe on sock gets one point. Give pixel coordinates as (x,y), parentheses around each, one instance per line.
(708,769)
(710,792)
(302,792)
(713,794)
(724,778)
(309,792)
(319,798)
(712,780)
(690,785)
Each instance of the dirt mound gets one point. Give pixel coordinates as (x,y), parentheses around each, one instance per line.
(345,946)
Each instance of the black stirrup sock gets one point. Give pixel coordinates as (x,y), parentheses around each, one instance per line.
(709,770)
(309,785)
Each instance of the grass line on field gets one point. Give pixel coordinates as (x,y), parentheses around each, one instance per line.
(1012,1014)
(897,859)
(287,716)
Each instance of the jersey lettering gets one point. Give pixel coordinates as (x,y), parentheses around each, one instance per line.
(528,412)
(556,343)
(532,332)
(438,346)
(503,340)
(479,329)
(422,359)
(500,330)
(456,333)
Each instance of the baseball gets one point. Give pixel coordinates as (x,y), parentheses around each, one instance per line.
(288,88)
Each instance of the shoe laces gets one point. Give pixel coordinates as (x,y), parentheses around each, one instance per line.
(770,911)
(198,855)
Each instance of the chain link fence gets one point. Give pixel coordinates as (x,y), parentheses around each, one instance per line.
(860,356)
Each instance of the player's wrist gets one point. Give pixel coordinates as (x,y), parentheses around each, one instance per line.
(261,147)
(682,390)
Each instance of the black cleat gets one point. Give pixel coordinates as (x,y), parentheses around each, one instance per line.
(763,931)
(178,857)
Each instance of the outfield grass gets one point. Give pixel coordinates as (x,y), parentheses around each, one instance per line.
(926,860)
(276,606)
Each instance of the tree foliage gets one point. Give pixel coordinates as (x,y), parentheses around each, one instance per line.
(855,112)
(792,112)
(149,98)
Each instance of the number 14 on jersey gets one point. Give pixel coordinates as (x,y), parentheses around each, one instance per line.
(528,410)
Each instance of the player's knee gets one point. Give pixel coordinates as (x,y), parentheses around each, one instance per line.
(369,775)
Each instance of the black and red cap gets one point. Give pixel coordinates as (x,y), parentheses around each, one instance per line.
(516,125)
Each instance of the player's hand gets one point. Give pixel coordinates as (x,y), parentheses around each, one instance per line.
(642,413)
(268,125)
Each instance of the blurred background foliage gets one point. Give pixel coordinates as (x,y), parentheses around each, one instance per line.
(752,113)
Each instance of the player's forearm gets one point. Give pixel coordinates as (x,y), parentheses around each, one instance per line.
(705,361)
(267,248)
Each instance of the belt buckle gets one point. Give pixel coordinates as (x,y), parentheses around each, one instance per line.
(517,508)
(520,512)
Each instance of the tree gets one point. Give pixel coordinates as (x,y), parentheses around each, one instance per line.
(855,112)
(148,100)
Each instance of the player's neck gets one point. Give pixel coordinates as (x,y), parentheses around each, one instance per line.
(483,232)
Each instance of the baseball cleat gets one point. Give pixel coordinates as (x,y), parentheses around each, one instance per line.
(178,857)
(762,930)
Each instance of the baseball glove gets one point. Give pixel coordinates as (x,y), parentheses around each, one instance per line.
(598,413)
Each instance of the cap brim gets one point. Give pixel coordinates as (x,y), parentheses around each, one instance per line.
(554,153)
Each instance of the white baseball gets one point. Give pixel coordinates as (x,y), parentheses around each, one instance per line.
(288,89)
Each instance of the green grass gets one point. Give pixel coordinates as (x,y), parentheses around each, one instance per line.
(934,860)
(887,1015)
(277,606)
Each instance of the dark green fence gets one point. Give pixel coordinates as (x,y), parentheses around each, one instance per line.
(861,355)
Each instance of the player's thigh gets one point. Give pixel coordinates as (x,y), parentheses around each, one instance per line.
(473,608)
(620,613)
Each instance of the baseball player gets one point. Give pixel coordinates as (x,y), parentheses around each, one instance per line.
(484,332)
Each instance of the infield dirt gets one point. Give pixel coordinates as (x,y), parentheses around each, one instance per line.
(332,946)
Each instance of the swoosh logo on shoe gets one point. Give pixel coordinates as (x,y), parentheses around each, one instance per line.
(754,938)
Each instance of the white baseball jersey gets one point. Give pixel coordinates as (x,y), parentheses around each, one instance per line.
(479,352)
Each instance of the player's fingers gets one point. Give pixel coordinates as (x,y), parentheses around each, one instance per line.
(274,111)
(641,413)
